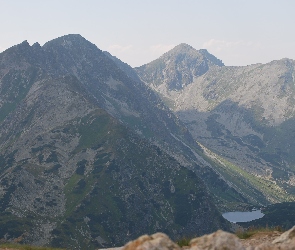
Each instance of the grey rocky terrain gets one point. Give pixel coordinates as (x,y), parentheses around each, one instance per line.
(94,153)
(89,156)
(241,116)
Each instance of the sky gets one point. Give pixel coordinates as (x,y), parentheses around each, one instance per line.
(138,31)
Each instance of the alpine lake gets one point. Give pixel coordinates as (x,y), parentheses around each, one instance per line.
(243,216)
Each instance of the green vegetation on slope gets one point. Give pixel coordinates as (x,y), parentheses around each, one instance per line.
(258,190)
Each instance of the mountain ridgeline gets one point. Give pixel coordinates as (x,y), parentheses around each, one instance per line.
(94,153)
(90,156)
(243,117)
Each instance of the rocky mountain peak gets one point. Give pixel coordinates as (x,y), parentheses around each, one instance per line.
(25,43)
(36,45)
(178,67)
(182,48)
(72,45)
(68,41)
(19,48)
(73,54)
(18,56)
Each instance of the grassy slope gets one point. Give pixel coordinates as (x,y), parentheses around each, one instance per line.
(258,190)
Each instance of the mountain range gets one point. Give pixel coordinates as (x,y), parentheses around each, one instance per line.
(91,157)
(241,116)
(94,153)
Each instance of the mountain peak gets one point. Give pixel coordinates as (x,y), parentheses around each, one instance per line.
(22,46)
(25,43)
(69,41)
(69,37)
(188,50)
(178,67)
(183,47)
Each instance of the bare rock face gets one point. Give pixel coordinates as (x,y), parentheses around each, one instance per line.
(153,242)
(218,240)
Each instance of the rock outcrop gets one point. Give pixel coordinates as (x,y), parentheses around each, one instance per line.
(287,238)
(219,240)
(153,242)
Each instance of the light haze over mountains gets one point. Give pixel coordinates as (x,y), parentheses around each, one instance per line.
(95,152)
(239,32)
(93,148)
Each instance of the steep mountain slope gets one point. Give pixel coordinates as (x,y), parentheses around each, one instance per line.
(247,107)
(79,161)
(227,195)
(243,114)
(128,100)
(121,96)
(125,97)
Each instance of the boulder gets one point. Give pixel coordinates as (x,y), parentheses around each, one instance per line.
(215,241)
(219,240)
(152,242)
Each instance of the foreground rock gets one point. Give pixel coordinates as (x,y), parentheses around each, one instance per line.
(260,238)
(155,241)
(219,240)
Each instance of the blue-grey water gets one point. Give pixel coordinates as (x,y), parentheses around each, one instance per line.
(243,216)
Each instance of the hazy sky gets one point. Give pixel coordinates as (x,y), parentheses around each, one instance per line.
(138,31)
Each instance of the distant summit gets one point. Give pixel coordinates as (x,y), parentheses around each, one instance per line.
(181,48)
(184,48)
(178,67)
(67,40)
